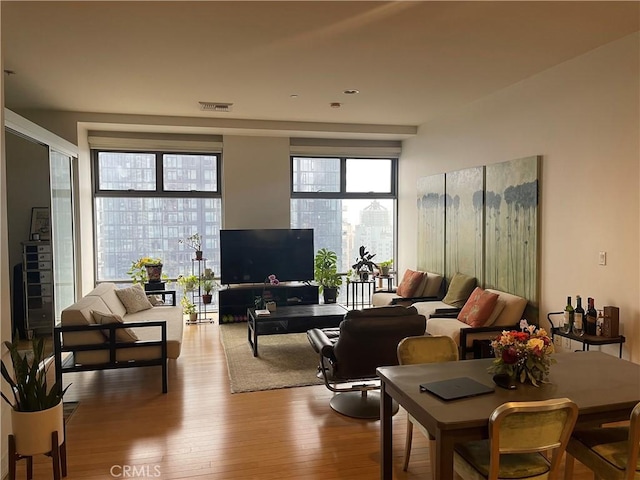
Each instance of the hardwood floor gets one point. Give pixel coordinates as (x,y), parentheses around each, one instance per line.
(124,427)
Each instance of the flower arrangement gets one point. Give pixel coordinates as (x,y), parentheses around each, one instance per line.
(525,355)
(138,269)
(261,301)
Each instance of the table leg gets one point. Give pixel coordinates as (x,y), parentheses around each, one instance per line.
(386,434)
(443,469)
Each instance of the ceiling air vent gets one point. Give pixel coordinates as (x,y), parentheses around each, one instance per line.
(215,106)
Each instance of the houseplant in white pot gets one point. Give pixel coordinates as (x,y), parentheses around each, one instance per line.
(326,274)
(37,410)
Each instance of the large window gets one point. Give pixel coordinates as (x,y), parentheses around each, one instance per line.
(145,202)
(348,202)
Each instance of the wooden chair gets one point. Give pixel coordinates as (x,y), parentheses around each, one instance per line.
(610,452)
(413,350)
(521,437)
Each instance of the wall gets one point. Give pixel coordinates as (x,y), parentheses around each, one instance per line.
(256,182)
(583,118)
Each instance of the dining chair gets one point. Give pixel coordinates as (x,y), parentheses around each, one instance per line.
(424,349)
(526,440)
(610,452)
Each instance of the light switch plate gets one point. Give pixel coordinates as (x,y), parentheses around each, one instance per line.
(602,258)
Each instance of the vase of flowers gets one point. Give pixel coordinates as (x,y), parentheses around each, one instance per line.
(195,242)
(523,355)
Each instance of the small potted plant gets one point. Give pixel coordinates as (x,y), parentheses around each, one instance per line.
(326,274)
(364,266)
(195,242)
(385,266)
(146,269)
(207,287)
(189,308)
(36,409)
(187,282)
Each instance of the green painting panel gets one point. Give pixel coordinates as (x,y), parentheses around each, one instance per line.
(431,224)
(512,223)
(464,214)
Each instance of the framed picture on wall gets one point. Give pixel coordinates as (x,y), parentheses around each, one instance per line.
(40,224)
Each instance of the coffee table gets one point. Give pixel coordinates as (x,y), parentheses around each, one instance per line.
(292,319)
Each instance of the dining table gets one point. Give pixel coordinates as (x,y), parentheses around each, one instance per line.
(604,387)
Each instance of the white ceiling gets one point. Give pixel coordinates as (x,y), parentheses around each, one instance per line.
(411,61)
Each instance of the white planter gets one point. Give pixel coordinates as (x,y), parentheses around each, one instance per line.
(32,430)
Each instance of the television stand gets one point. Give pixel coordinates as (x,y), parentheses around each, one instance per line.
(234,300)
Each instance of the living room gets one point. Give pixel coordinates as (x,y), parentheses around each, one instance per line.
(580,113)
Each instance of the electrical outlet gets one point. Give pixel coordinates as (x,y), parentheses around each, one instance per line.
(567,344)
(602,258)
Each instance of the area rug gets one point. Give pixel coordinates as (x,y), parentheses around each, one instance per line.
(283,361)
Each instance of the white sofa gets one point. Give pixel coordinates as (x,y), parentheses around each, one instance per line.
(506,314)
(144,338)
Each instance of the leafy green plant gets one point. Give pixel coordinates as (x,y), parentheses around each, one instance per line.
(364,263)
(138,269)
(386,263)
(188,307)
(208,286)
(325,269)
(194,241)
(28,383)
(187,282)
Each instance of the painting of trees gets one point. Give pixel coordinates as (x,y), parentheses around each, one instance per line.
(430,200)
(512,227)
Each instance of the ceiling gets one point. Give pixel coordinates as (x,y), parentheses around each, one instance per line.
(411,61)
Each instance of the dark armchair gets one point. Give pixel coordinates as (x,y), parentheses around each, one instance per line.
(366,339)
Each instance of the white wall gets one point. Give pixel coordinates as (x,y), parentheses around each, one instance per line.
(256,182)
(583,118)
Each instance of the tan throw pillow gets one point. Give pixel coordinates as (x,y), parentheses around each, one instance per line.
(410,283)
(478,308)
(459,290)
(134,299)
(125,335)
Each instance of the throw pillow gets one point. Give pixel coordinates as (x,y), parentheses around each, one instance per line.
(155,300)
(134,299)
(500,305)
(125,335)
(478,308)
(410,283)
(459,290)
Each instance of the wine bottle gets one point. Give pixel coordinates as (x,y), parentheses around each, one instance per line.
(592,317)
(578,317)
(568,317)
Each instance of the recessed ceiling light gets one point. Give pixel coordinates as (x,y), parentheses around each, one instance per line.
(335,104)
(351,91)
(215,106)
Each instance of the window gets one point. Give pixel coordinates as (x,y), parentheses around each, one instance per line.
(146,201)
(348,202)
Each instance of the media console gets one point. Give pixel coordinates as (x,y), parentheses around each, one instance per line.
(235,299)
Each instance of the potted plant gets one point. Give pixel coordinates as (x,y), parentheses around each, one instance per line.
(37,410)
(207,287)
(187,282)
(195,242)
(146,269)
(385,266)
(325,272)
(364,266)
(189,308)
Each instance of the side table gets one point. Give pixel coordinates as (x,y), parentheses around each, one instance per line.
(360,291)
(586,340)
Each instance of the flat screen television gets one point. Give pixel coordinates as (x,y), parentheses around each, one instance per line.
(250,256)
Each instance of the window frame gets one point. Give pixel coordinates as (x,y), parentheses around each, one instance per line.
(343,194)
(159,191)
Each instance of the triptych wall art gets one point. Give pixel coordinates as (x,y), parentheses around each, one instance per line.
(483,221)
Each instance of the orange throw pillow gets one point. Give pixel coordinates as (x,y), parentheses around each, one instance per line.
(410,283)
(478,308)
